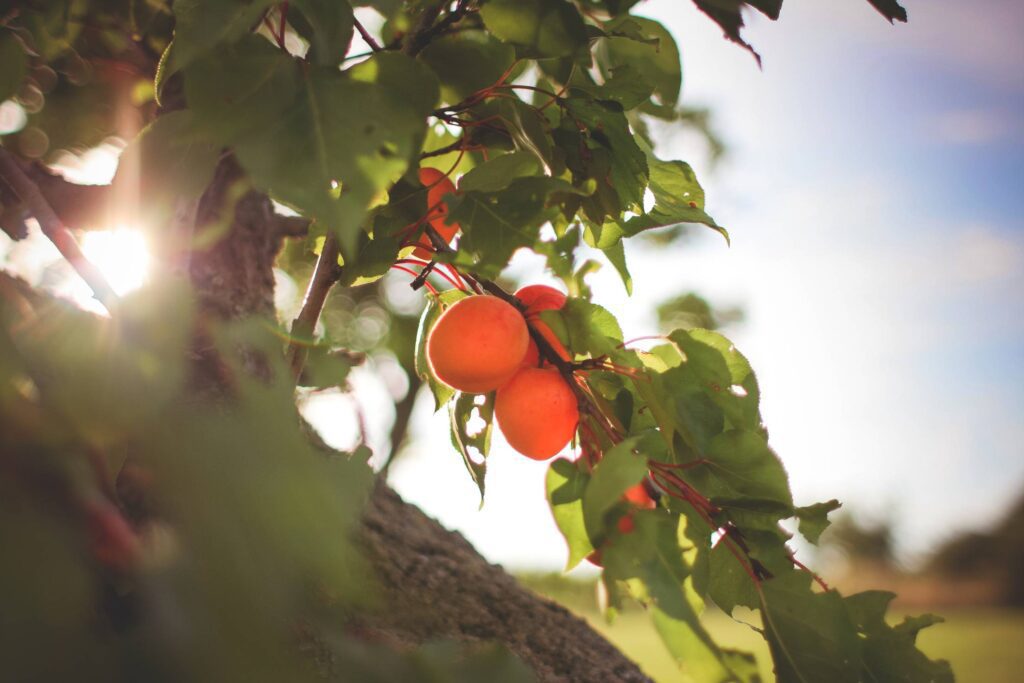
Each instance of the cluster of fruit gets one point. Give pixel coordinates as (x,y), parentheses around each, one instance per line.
(482,344)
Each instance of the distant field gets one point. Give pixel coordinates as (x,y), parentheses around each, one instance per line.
(984,646)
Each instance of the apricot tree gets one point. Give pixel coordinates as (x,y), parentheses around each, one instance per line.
(164,512)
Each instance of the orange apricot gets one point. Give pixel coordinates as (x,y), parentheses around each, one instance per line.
(537,412)
(537,298)
(438,185)
(477,344)
(639,497)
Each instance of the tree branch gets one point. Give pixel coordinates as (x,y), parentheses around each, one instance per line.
(291,226)
(325,274)
(54,228)
(80,206)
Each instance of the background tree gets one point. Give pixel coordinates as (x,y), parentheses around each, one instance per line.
(173,516)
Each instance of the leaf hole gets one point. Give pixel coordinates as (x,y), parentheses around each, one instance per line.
(737,390)
(476,424)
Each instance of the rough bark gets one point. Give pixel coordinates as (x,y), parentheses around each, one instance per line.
(435,584)
(438,586)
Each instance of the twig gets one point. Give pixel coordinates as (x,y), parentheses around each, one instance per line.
(325,274)
(291,226)
(54,229)
(416,39)
(367,38)
(400,427)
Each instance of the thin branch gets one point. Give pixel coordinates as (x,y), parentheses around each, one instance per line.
(291,226)
(54,229)
(367,38)
(325,274)
(400,427)
(418,37)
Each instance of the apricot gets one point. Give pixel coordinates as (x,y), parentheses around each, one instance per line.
(438,185)
(639,497)
(537,412)
(477,344)
(537,298)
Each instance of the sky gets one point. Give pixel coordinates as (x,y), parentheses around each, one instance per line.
(871,190)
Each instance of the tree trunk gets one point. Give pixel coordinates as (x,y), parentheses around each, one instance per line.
(435,585)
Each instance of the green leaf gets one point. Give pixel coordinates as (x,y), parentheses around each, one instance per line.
(656,59)
(740,465)
(678,198)
(565,485)
(13,62)
(616,255)
(729,580)
(623,84)
(466,62)
(495,224)
(302,131)
(729,15)
(528,129)
(723,373)
(171,159)
(201,25)
(814,518)
(890,653)
(590,327)
(618,470)
(498,173)
(325,367)
(868,608)
(433,310)
(651,562)
(890,9)
(460,411)
(810,634)
(607,131)
(332,24)
(540,28)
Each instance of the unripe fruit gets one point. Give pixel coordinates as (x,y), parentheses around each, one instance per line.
(537,412)
(477,344)
(438,185)
(537,298)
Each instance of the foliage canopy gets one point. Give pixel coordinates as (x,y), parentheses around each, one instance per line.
(540,109)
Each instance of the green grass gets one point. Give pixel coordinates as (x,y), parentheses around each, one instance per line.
(983,645)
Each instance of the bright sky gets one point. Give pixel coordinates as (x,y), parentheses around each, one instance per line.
(872,195)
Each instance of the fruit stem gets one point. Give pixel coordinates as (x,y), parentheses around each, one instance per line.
(410,271)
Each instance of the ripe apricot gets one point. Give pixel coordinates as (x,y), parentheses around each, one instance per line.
(477,344)
(639,497)
(537,298)
(438,185)
(537,412)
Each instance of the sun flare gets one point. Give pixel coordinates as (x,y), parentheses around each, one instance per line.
(121,254)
